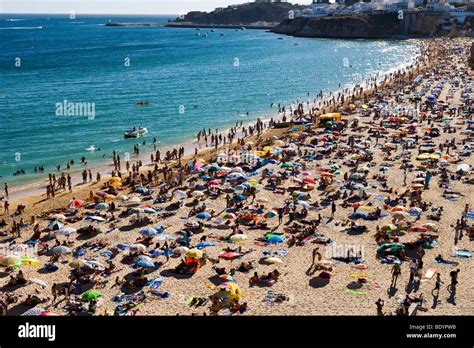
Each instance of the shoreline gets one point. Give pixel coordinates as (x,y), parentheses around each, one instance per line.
(37,186)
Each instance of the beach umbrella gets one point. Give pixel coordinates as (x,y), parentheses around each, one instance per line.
(180,250)
(273,260)
(400,215)
(356,176)
(144,261)
(34,312)
(286,165)
(115,181)
(39,282)
(148,232)
(30,261)
(431,227)
(142,190)
(134,200)
(60,250)
(229,216)
(90,295)
(326,174)
(388,228)
(180,194)
(304,204)
(415,211)
(55,225)
(67,231)
(417,228)
(195,253)
(270,214)
(102,206)
(214,182)
(94,218)
(310,180)
(230,255)
(137,248)
(76,203)
(203,215)
(197,193)
(239,197)
(59,217)
(95,265)
(203,245)
(465,167)
(11,260)
(239,237)
(78,263)
(399,208)
(275,239)
(227,277)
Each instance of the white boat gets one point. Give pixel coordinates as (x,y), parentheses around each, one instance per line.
(136,132)
(91,148)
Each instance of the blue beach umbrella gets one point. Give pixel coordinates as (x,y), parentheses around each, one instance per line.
(275,239)
(144,261)
(148,232)
(55,225)
(203,215)
(239,197)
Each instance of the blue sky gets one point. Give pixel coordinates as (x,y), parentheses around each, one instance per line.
(117,6)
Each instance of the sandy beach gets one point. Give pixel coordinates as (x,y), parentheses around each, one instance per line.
(372,164)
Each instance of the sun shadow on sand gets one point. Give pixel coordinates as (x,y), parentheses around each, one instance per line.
(172,273)
(18,309)
(318,282)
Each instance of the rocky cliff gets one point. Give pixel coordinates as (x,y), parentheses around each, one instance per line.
(362,26)
(241,14)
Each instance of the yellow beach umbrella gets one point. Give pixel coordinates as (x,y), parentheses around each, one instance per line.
(196,253)
(30,261)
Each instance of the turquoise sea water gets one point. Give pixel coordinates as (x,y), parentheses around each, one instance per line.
(212,80)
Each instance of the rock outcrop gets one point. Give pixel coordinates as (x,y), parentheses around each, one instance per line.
(241,14)
(363,26)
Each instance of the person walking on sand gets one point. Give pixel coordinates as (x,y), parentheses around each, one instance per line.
(396,271)
(437,285)
(6,207)
(454,280)
(380,303)
(316,254)
(333,209)
(54,292)
(6,190)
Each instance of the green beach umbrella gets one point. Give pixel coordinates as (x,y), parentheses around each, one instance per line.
(90,295)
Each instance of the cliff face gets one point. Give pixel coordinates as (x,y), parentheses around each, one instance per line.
(242,14)
(350,26)
(363,26)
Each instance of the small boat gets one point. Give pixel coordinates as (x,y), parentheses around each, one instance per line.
(143,102)
(198,34)
(136,132)
(91,148)
(212,30)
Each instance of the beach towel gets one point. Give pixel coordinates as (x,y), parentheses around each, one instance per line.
(429,274)
(359,275)
(357,291)
(447,262)
(464,253)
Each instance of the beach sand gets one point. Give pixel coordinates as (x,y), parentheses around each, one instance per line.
(308,294)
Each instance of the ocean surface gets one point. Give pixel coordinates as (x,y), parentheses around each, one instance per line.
(192,82)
